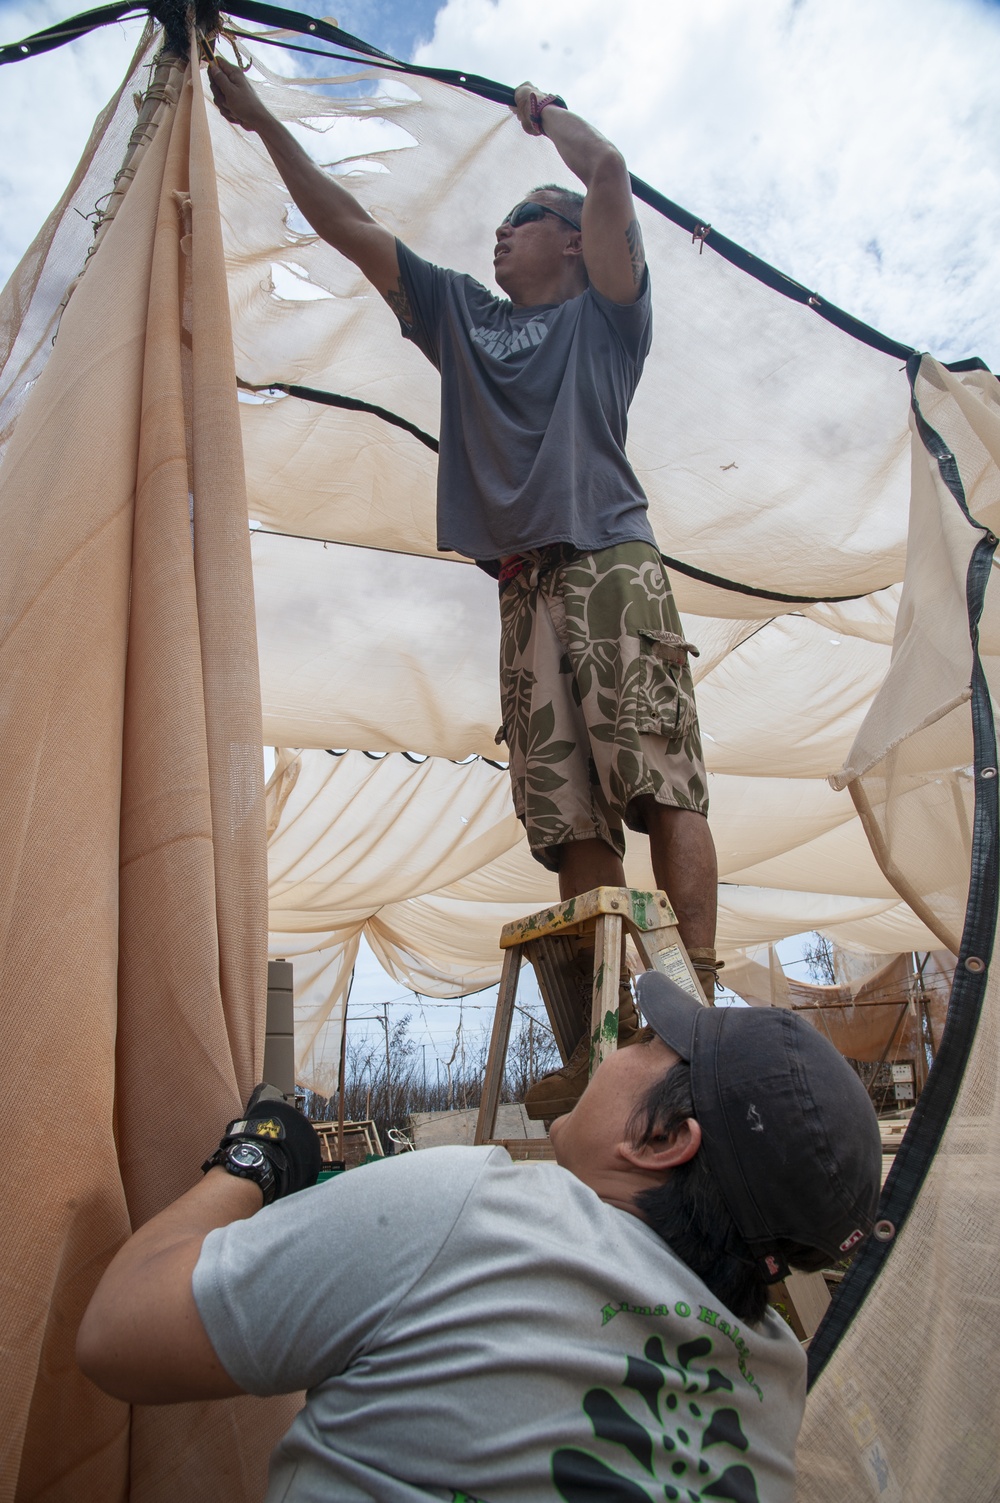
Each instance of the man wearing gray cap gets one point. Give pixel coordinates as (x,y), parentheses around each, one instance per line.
(473,1330)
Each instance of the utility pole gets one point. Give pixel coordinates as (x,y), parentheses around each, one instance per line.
(423,1067)
(925,1032)
(343,1071)
(388,1082)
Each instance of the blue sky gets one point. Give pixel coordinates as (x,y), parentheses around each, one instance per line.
(397,26)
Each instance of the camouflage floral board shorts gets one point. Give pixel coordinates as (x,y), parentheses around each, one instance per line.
(598,703)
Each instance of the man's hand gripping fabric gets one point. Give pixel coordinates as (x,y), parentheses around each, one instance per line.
(529,103)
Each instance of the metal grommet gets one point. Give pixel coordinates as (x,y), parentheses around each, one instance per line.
(663,902)
(884,1231)
(814,302)
(975,965)
(988,772)
(614,902)
(991,538)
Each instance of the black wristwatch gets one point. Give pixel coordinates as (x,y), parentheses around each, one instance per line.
(246,1161)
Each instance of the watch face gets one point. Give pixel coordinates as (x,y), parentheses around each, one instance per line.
(247,1155)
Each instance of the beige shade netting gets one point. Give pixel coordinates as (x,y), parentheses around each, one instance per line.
(777,454)
(906,1408)
(134,888)
(894,1012)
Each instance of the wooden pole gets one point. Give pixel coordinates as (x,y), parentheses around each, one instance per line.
(343,1071)
(388,1081)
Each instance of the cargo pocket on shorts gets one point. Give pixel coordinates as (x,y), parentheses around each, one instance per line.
(665,701)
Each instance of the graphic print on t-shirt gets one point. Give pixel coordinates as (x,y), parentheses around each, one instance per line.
(504,342)
(667,1441)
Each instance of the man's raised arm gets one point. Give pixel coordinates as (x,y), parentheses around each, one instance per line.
(334,214)
(612,241)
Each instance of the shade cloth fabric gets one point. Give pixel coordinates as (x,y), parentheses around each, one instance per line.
(133,893)
(777,454)
(370,641)
(460,869)
(905,1408)
(877,1017)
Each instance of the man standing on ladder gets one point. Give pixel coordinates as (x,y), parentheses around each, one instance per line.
(534,484)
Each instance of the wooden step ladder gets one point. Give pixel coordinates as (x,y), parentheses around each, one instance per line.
(547,940)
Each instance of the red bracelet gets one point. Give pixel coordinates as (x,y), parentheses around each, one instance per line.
(538,105)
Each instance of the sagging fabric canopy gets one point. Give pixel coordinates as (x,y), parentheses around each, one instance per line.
(774,447)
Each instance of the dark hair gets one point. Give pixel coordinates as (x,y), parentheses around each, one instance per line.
(570,203)
(688,1211)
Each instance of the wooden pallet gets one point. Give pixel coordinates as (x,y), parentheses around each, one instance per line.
(361,1141)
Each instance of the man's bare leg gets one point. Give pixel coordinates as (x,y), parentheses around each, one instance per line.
(685,866)
(585,864)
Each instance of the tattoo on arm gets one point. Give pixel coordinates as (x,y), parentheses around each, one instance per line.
(637,255)
(400,304)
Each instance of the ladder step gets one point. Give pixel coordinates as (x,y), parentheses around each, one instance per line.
(641,910)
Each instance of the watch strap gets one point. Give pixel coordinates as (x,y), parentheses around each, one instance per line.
(540,103)
(287,1139)
(263,1175)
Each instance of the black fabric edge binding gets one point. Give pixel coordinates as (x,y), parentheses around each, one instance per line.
(354,404)
(973,363)
(290,20)
(933,1110)
(743,589)
(69,30)
(488,88)
(762,271)
(350,404)
(493,569)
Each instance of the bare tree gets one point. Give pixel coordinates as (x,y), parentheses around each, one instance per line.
(818,957)
(388,1088)
(532,1051)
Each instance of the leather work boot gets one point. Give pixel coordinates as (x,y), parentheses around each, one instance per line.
(558,1092)
(707,969)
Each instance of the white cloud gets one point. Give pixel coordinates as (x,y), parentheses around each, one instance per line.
(47,107)
(852,145)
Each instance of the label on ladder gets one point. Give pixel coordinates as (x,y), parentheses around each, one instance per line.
(670,963)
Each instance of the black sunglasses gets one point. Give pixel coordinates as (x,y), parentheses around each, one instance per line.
(529,212)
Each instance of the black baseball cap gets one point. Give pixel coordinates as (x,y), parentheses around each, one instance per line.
(788,1129)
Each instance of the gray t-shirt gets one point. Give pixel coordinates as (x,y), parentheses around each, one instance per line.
(534,414)
(472,1329)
